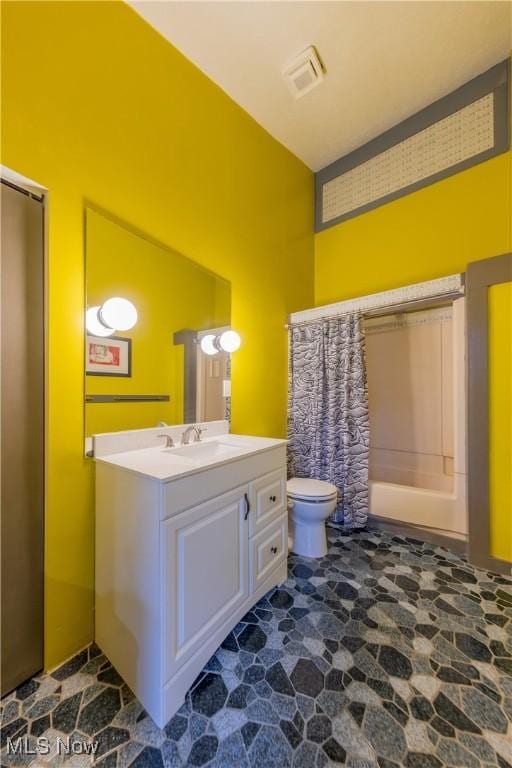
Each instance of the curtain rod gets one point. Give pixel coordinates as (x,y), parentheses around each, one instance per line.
(388,302)
(389,309)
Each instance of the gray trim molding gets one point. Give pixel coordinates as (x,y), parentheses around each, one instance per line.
(418,532)
(480,275)
(127,398)
(494,80)
(189,340)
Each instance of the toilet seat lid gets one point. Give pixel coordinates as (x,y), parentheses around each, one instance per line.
(307,488)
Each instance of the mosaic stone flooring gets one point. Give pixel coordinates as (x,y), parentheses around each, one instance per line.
(387,652)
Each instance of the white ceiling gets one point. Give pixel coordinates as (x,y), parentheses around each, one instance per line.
(384,60)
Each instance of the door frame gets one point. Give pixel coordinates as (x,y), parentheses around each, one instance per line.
(200,363)
(480,275)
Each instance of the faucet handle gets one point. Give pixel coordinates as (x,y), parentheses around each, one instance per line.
(199,432)
(169,442)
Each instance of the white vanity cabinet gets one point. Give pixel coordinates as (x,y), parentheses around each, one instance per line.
(180,561)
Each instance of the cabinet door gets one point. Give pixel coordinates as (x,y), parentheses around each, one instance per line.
(205,564)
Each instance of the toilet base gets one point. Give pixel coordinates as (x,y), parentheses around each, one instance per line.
(308,540)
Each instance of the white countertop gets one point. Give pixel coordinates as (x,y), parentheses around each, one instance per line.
(164,464)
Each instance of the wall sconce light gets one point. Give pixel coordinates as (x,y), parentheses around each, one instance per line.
(118,313)
(115,314)
(93,324)
(229,341)
(208,344)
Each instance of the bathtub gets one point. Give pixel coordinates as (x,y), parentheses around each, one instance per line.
(442,511)
(438,510)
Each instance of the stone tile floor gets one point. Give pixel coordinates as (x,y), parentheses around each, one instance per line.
(386,652)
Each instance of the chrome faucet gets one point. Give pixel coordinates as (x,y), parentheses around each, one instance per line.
(185,438)
(169,442)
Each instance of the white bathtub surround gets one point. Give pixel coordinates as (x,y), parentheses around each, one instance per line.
(444,512)
(409,358)
(416,381)
(188,539)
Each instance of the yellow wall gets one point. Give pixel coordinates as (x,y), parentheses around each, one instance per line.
(171,294)
(99,108)
(500,419)
(433,232)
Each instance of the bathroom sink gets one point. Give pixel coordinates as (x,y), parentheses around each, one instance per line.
(168,463)
(203,451)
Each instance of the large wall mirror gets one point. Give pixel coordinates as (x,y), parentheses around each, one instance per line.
(156,372)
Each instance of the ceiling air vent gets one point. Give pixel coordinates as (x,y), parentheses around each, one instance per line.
(304,73)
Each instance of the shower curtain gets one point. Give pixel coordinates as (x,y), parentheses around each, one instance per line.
(328,411)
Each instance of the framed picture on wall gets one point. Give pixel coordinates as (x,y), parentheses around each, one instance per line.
(110,356)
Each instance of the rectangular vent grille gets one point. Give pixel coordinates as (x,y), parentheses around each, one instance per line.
(439,141)
(458,137)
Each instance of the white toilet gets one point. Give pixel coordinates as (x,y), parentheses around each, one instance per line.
(310,503)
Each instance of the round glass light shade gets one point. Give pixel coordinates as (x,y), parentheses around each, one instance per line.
(229,341)
(208,345)
(93,324)
(118,313)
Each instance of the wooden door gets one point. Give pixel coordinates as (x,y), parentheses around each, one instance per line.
(22,436)
(212,373)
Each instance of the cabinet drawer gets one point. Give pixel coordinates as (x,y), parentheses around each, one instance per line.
(267,550)
(194,489)
(268,500)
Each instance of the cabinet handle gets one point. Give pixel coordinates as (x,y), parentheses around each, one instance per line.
(273,550)
(273,498)
(247,506)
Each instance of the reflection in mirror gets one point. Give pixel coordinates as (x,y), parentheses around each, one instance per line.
(177,303)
